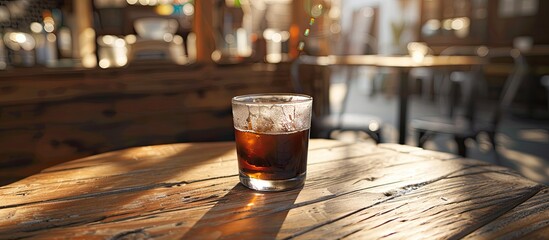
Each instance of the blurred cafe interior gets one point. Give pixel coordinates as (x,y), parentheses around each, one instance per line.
(83,77)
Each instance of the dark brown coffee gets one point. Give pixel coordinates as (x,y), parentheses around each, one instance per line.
(272,156)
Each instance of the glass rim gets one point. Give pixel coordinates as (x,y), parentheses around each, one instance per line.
(241,98)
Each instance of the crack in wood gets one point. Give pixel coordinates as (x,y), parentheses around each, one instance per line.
(351,233)
(132,234)
(388,235)
(53,225)
(62,169)
(504,172)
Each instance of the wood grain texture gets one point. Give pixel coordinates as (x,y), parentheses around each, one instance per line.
(529,220)
(48,117)
(191,191)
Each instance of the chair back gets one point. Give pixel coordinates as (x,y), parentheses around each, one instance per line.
(470,82)
(474,77)
(513,81)
(358,38)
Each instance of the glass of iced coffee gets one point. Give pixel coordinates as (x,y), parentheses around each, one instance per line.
(272,138)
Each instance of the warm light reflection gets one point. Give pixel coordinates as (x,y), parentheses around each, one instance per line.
(104,63)
(136,160)
(65,41)
(261,184)
(130,39)
(317,10)
(534,135)
(188,9)
(457,24)
(18,37)
(36,27)
(49,24)
(418,51)
(334,13)
(168,37)
(433,24)
(18,40)
(367,12)
(275,39)
(87,47)
(417,57)
(119,42)
(164,9)
(216,55)
(191,47)
(268,33)
(48,27)
(335,28)
(108,39)
(430,27)
(529,165)
(374,126)
(461,27)
(88,61)
(113,51)
(253,200)
(447,24)
(177,40)
(51,37)
(242,44)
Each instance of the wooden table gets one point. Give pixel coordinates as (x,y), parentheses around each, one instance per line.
(355,191)
(402,64)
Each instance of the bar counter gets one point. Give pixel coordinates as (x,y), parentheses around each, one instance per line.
(48,116)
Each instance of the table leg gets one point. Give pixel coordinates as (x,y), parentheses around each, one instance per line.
(403,105)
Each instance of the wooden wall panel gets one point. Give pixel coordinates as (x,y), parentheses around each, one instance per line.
(49,117)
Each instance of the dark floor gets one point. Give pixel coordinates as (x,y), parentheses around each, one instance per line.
(522,143)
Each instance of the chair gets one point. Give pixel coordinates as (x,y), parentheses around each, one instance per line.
(356,40)
(468,126)
(418,50)
(324,125)
(545,83)
(450,85)
(359,41)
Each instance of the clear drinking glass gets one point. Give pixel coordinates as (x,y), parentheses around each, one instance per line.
(272,139)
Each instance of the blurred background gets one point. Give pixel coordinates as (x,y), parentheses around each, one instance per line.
(84,77)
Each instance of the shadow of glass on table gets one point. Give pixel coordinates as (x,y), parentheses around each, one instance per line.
(245,214)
